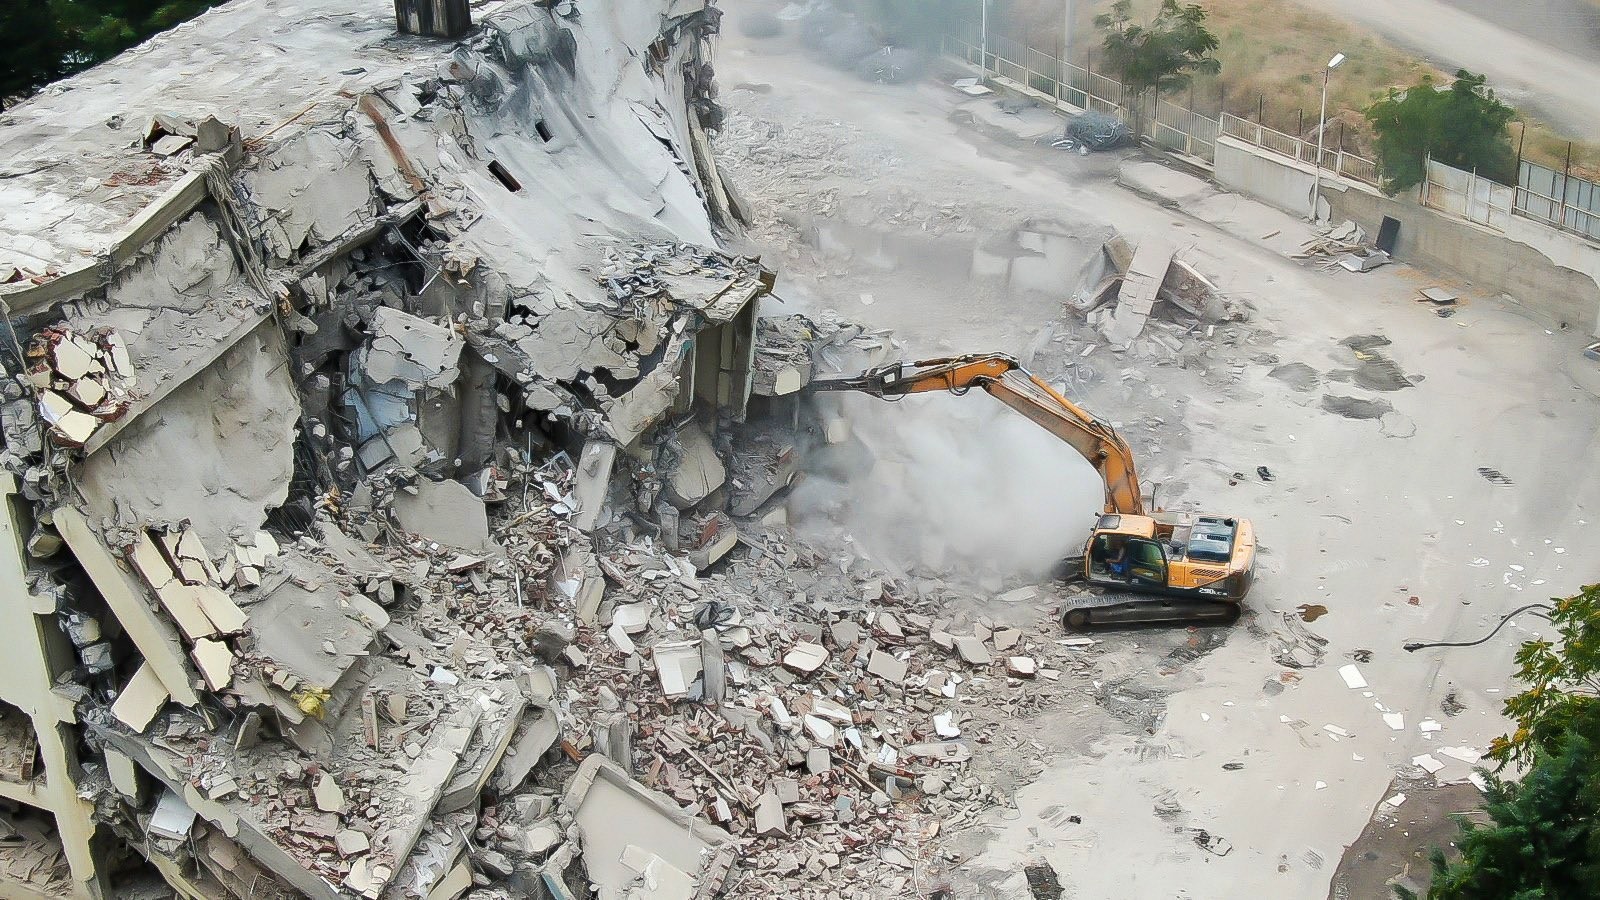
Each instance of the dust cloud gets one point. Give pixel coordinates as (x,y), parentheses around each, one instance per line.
(962,486)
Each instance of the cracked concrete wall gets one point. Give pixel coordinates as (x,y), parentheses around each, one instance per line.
(191,260)
(218,451)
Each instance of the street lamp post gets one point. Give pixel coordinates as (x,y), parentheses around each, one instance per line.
(983,38)
(1322,124)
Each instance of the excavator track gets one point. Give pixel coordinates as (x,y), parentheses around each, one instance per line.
(1112,610)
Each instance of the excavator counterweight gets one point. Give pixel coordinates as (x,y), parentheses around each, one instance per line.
(1201,566)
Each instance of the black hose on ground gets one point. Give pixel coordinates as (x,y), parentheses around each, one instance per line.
(1414,647)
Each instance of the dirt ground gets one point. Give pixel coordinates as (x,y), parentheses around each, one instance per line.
(1182,763)
(1396,846)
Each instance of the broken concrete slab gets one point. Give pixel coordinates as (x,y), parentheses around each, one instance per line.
(328,796)
(215,662)
(770,818)
(1146,272)
(289,611)
(140,699)
(818,760)
(972,651)
(1021,666)
(698,470)
(886,666)
(677,666)
(155,639)
(535,735)
(805,657)
(349,842)
(633,618)
(616,812)
(173,819)
(446,512)
(412,350)
(713,667)
(593,482)
(485,755)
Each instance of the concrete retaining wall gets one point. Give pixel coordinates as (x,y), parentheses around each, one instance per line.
(1555,274)
(1267,177)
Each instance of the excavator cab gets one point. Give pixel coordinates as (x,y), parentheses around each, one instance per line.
(1127,560)
(1198,566)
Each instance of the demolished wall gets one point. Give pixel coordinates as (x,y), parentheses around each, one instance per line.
(380,314)
(398,491)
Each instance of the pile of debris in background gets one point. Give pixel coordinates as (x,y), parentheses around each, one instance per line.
(1125,284)
(1344,245)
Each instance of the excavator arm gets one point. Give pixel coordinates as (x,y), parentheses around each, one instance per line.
(1007,381)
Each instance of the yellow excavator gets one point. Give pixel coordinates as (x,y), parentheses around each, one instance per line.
(1197,567)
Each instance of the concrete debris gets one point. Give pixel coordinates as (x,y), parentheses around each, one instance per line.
(1352,677)
(411,350)
(417,534)
(140,699)
(445,512)
(886,666)
(805,658)
(82,381)
(1021,667)
(616,813)
(351,842)
(328,796)
(972,651)
(173,819)
(1146,273)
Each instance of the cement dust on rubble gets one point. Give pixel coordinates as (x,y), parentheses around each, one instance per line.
(1179,762)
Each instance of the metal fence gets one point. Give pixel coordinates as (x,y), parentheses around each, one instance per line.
(1037,70)
(1466,195)
(1334,160)
(1558,199)
(1542,194)
(1162,122)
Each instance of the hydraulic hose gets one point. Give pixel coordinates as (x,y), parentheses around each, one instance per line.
(1414,647)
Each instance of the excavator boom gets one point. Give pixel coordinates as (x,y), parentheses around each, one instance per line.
(1007,381)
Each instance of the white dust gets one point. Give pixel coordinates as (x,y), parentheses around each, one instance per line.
(959,485)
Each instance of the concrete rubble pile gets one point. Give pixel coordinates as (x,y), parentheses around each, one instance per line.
(1125,283)
(400,500)
(1344,245)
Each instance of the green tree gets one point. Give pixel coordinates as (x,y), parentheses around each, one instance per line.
(1463,125)
(1543,840)
(1162,56)
(50,39)
(1563,680)
(36,48)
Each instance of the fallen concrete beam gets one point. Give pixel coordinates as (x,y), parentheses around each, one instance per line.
(593,483)
(157,641)
(615,813)
(1138,296)
(471,776)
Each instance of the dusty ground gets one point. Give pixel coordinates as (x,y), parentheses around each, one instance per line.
(1197,764)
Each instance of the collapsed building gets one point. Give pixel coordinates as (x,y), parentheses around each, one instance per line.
(374,525)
